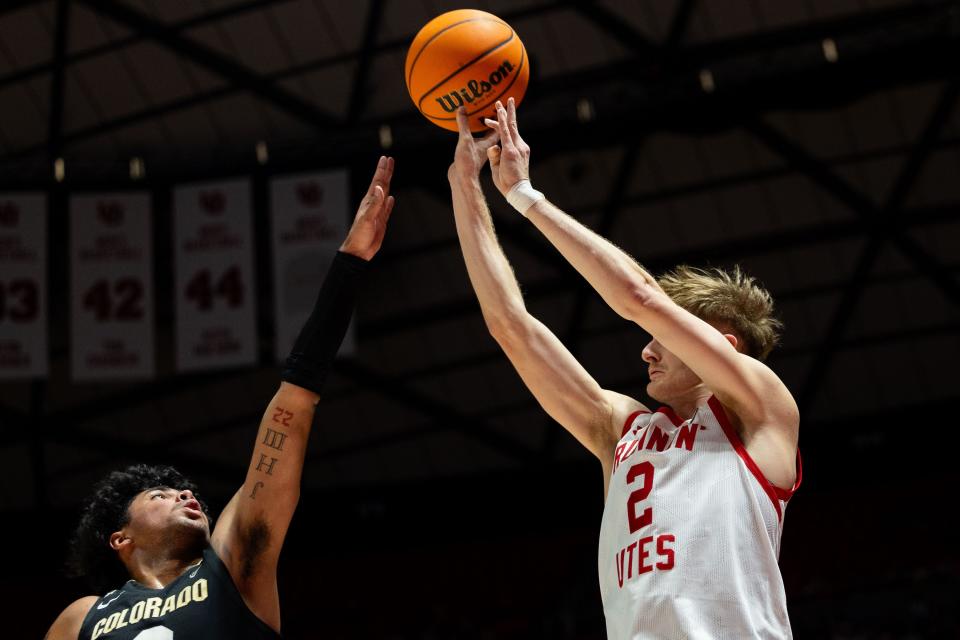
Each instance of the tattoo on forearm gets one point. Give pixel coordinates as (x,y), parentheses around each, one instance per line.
(274,439)
(282,416)
(264,466)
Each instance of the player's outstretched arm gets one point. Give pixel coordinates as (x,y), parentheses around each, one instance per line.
(561,385)
(67,625)
(756,394)
(252,527)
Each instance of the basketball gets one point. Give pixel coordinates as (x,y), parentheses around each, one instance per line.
(465,57)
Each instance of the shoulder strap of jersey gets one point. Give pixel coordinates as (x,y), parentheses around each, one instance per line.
(629,421)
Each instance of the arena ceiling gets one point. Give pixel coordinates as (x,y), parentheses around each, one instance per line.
(815,143)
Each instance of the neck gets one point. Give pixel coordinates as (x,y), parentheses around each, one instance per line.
(158,570)
(686,405)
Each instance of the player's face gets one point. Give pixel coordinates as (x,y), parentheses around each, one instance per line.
(670,379)
(162,512)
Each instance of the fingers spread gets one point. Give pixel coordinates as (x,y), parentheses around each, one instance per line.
(490,139)
(494,125)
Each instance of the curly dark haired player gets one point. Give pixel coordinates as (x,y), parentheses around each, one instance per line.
(185,578)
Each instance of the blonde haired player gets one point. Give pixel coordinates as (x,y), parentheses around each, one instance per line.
(695,491)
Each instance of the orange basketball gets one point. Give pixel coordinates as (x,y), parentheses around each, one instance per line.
(465,57)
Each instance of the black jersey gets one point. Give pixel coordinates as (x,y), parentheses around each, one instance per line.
(202,603)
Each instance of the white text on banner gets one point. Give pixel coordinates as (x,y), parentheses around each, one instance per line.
(309,214)
(23,286)
(215,286)
(111,286)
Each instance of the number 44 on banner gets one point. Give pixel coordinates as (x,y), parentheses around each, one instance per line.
(213,263)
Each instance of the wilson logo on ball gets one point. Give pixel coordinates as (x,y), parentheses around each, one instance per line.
(475,89)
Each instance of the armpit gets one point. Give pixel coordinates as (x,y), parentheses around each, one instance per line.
(254,540)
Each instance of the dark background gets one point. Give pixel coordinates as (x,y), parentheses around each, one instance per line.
(439,501)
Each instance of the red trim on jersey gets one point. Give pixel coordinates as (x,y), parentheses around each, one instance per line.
(670,413)
(774,493)
(786,494)
(629,421)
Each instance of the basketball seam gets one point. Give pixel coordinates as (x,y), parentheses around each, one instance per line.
(486,104)
(437,35)
(486,53)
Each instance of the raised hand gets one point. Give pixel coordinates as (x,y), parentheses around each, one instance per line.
(366,234)
(509,162)
(471,153)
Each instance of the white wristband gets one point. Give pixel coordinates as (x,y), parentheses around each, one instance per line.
(522,196)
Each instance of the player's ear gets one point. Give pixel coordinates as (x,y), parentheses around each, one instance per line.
(119,540)
(732,339)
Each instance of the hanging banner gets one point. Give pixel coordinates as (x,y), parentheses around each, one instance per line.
(111,286)
(215,287)
(23,286)
(309,215)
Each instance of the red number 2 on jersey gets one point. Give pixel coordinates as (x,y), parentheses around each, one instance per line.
(643,470)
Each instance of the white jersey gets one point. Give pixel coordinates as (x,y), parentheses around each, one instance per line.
(691,533)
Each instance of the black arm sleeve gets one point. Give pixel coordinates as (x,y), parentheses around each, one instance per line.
(312,356)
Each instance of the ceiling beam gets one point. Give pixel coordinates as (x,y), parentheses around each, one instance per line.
(28,72)
(889,55)
(359,92)
(616,26)
(679,24)
(211,60)
(818,172)
(654,196)
(218,15)
(11,6)
(57,79)
(878,235)
(891,22)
